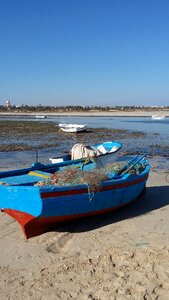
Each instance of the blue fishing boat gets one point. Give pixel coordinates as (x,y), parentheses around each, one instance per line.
(85,164)
(102,152)
(38,203)
(80,156)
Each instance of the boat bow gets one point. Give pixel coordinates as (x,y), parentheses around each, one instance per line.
(25,199)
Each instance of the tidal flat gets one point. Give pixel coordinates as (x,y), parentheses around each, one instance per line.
(22,142)
(21,136)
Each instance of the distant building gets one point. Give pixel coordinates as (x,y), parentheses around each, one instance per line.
(8,103)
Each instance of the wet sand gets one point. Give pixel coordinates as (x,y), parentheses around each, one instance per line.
(121,255)
(17,136)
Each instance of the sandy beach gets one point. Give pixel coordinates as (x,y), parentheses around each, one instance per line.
(121,255)
(95,113)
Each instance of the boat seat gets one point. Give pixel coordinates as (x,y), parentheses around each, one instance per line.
(40,174)
(25,179)
(113,149)
(102,149)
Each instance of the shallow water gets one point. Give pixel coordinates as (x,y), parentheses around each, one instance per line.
(146,124)
(155,141)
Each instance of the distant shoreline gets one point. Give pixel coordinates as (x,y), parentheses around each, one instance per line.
(134,113)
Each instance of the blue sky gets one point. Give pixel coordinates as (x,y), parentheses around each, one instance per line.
(86,52)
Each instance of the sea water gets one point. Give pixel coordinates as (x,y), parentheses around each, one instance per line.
(155,142)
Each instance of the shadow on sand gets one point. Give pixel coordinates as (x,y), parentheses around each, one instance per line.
(155,198)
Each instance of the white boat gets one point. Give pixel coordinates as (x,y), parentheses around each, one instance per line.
(101,154)
(157,117)
(72,127)
(40,117)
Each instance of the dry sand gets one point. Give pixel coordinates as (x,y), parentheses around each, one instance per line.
(113,113)
(122,255)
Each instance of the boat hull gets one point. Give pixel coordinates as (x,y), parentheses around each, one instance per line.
(36,226)
(55,205)
(100,161)
(157,117)
(40,117)
(72,128)
(110,154)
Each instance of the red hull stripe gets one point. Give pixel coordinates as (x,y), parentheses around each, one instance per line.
(85,190)
(32,226)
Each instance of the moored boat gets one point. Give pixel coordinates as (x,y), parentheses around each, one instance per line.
(40,117)
(72,128)
(40,205)
(102,152)
(80,156)
(82,164)
(157,117)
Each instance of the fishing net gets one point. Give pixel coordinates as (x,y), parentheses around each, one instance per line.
(73,176)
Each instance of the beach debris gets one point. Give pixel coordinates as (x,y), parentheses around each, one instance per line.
(139,244)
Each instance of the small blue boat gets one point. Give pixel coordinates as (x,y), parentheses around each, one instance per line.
(38,207)
(83,157)
(103,153)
